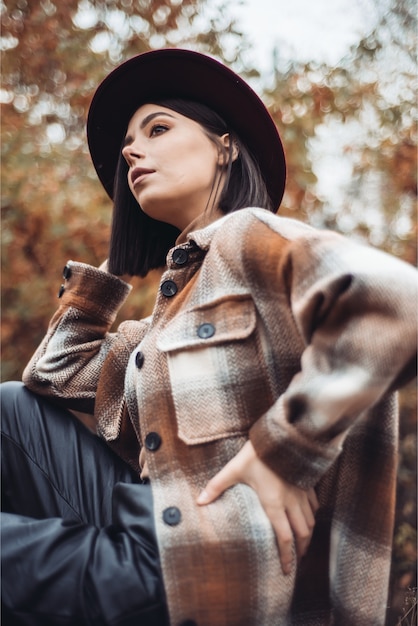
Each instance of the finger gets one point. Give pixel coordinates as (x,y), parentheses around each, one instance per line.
(308,513)
(302,527)
(218,484)
(313,500)
(284,536)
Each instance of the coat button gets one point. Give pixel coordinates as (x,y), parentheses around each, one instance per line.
(172,516)
(169,288)
(61,291)
(152,441)
(180,256)
(206,330)
(66,272)
(139,359)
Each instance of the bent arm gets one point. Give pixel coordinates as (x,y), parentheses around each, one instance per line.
(356,309)
(68,362)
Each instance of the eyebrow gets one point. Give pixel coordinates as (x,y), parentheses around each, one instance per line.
(128,139)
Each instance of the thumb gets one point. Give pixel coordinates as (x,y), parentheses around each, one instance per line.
(217,485)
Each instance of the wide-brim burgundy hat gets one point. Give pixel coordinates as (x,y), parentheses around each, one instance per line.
(176,73)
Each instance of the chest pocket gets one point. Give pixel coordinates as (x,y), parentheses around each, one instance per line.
(212,356)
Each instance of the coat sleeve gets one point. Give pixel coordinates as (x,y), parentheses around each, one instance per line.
(356,309)
(67,364)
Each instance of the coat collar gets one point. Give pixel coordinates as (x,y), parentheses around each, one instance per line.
(201,231)
(204,236)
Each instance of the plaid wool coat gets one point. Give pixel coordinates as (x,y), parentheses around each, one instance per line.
(263,328)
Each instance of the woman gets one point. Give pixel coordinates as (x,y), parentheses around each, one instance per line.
(261,384)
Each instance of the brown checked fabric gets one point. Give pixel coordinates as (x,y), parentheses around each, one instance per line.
(270,330)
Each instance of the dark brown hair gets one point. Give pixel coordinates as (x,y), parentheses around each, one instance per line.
(139,243)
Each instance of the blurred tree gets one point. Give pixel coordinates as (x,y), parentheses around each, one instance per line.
(376,91)
(366,108)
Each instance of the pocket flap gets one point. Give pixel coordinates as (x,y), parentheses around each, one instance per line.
(228,319)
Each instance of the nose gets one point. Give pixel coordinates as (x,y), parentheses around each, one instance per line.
(131,152)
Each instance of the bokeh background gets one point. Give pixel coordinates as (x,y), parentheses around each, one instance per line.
(349,126)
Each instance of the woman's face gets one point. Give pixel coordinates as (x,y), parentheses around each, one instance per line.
(173,165)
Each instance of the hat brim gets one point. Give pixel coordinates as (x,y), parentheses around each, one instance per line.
(176,73)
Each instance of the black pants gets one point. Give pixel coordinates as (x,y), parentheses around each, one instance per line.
(78,537)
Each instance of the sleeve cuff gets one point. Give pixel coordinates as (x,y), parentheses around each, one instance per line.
(291,454)
(94,291)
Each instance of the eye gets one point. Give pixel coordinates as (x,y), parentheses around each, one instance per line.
(158,129)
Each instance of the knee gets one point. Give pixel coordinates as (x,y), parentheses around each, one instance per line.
(12,396)
(10,392)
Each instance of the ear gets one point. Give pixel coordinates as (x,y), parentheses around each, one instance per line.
(226,140)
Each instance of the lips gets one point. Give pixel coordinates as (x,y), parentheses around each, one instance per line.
(138,173)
